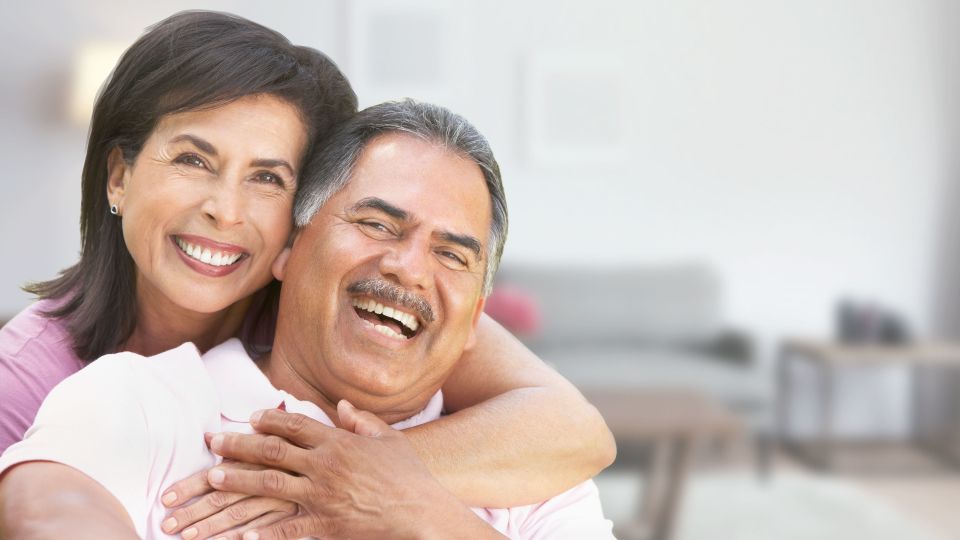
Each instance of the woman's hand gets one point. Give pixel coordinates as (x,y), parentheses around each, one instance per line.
(220,511)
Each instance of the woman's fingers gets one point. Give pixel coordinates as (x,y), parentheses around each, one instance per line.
(186,489)
(182,519)
(243,515)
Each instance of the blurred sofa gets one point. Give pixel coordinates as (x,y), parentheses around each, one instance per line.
(635,327)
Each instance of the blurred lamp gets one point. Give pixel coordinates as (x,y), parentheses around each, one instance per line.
(94,62)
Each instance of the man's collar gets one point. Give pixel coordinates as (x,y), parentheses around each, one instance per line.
(244,389)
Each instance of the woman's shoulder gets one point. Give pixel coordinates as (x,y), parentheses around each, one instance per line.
(35,355)
(38,343)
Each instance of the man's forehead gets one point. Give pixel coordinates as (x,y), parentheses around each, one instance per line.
(417,180)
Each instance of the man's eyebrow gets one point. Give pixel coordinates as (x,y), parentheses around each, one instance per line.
(377,203)
(196,141)
(464,240)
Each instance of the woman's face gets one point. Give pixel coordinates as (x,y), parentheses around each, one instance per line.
(206,207)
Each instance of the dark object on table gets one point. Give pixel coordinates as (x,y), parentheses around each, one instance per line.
(869,323)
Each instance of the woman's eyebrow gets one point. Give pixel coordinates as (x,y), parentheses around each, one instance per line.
(272,163)
(196,141)
(207,147)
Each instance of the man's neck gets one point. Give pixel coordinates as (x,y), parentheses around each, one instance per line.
(283,376)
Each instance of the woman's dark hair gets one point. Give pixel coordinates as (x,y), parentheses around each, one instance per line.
(192,60)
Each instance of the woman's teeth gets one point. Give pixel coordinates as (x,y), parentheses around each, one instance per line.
(204,255)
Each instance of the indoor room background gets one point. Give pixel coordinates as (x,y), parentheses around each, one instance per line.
(799,153)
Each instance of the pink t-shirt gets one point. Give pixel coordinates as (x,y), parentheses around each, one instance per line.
(36,353)
(136,425)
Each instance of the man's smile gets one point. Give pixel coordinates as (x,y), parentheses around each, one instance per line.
(388,320)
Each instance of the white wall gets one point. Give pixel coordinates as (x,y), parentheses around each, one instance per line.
(800,147)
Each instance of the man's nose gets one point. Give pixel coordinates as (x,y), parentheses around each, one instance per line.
(225,204)
(408,263)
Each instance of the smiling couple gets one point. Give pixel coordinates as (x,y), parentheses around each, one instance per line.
(401,211)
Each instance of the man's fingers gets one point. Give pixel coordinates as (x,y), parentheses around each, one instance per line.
(360,422)
(265,483)
(296,428)
(187,516)
(288,529)
(243,515)
(257,448)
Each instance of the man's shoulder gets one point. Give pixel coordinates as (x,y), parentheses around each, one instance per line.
(181,362)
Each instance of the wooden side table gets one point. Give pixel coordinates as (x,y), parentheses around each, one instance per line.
(828,359)
(672,422)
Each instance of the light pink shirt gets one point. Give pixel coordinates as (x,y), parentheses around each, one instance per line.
(136,425)
(35,355)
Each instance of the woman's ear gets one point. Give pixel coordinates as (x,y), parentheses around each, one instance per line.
(118,172)
(280,264)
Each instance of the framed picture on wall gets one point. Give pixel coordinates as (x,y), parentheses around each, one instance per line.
(398,50)
(574,107)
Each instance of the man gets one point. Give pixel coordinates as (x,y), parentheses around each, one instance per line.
(397,246)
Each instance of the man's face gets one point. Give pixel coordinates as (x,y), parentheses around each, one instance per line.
(407,235)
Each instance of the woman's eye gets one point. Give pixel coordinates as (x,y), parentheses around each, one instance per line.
(270,178)
(192,160)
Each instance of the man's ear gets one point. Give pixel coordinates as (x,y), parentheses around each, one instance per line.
(280,264)
(118,172)
(472,336)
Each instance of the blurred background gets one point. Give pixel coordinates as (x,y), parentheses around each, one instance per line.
(712,202)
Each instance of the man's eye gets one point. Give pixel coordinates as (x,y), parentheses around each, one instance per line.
(191,159)
(454,257)
(375,225)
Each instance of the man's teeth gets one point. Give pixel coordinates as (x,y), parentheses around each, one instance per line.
(401,317)
(204,255)
(387,331)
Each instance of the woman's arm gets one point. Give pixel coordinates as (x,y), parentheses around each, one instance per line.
(41,500)
(520,432)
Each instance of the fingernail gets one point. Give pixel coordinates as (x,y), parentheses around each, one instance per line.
(251,535)
(189,533)
(216,476)
(216,442)
(255,419)
(169,524)
(169,498)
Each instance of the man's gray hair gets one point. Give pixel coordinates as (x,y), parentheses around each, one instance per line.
(329,170)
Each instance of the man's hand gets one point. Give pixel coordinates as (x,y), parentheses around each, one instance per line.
(218,511)
(363,481)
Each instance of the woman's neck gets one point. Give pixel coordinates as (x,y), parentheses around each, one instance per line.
(163,325)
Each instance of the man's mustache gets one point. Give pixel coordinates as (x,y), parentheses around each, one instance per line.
(384,290)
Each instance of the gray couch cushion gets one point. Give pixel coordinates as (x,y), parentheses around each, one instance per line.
(632,368)
(641,305)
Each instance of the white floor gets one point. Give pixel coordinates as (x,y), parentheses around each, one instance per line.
(792,505)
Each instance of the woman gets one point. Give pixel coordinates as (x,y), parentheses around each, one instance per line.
(188,185)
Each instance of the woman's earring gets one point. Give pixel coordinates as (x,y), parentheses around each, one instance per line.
(114,210)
